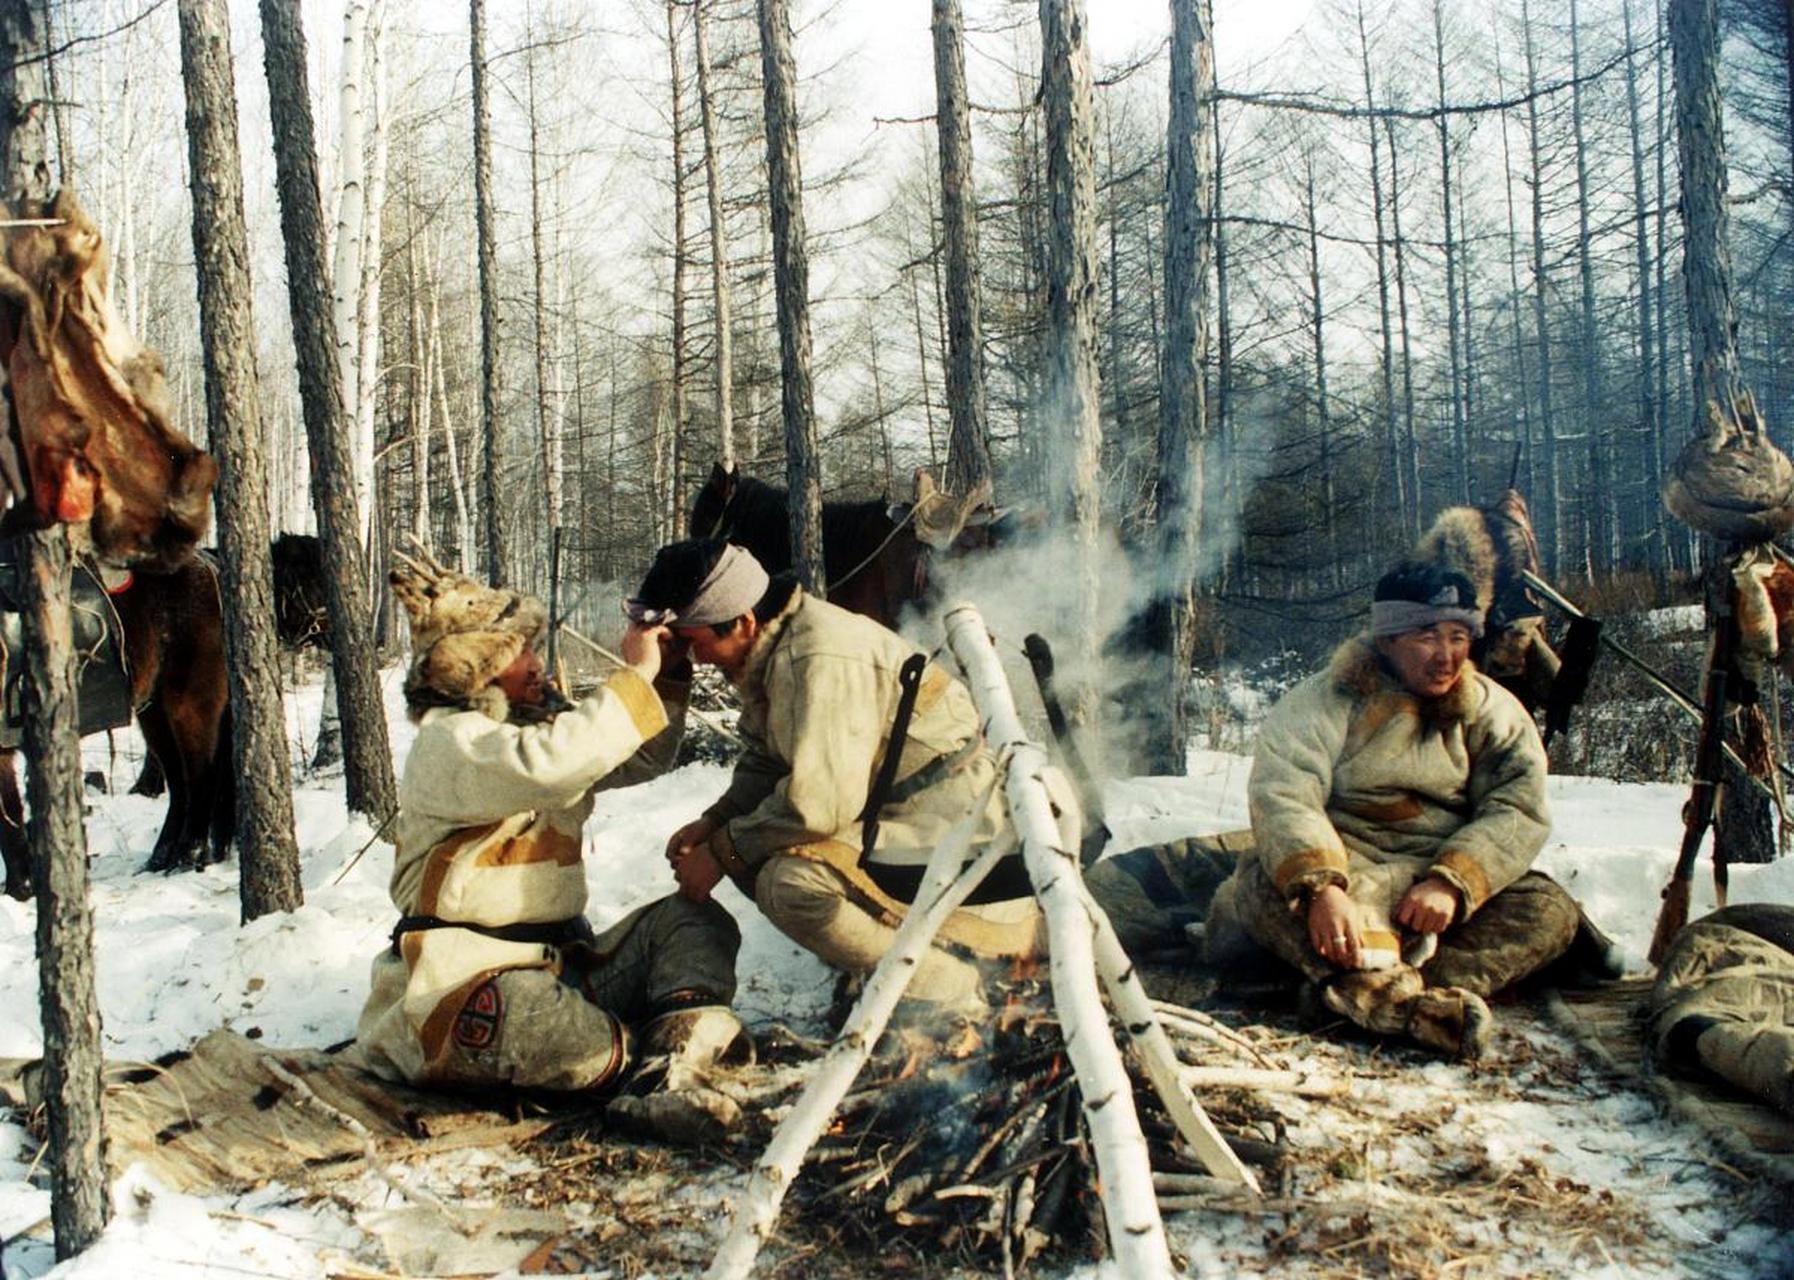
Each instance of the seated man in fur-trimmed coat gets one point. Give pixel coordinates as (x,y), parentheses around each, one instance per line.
(494,976)
(1397,802)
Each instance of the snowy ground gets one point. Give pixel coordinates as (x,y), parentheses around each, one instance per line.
(1534,1163)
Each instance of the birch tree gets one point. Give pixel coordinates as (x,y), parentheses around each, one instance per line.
(367,755)
(791,278)
(498,536)
(346,252)
(68,1006)
(264,800)
(1070,403)
(1183,394)
(968,443)
(720,297)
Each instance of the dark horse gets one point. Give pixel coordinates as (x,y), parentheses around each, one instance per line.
(875,554)
(172,633)
(171,627)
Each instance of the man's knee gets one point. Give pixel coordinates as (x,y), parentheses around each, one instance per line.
(678,916)
(799,896)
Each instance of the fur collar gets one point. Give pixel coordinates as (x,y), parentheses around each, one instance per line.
(772,631)
(1358,670)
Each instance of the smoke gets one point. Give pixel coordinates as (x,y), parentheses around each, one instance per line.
(1030,587)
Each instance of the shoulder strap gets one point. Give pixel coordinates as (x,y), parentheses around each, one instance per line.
(909,684)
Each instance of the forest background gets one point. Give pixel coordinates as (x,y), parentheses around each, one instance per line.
(1446,256)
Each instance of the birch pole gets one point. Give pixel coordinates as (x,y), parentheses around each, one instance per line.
(954,870)
(1124,1167)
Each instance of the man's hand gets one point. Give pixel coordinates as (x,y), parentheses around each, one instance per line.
(1429,907)
(691,835)
(641,649)
(697,871)
(1333,929)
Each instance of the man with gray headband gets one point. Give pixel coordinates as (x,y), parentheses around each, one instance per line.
(1397,802)
(820,826)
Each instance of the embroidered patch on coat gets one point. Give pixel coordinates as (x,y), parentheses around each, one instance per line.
(476,1027)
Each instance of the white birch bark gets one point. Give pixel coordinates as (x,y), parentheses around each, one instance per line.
(953,872)
(367,310)
(720,300)
(1124,1167)
(345,270)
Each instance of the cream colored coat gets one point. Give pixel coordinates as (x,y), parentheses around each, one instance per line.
(818,694)
(489,832)
(1357,782)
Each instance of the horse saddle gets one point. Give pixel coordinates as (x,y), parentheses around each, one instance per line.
(102,684)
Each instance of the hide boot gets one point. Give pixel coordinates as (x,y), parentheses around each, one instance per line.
(1397,1002)
(672,1094)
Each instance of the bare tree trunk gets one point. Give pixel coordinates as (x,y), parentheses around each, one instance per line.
(1410,446)
(345,273)
(1650,410)
(1682,539)
(915,307)
(264,796)
(1183,394)
(1600,501)
(423,354)
(366,753)
(1522,471)
(68,1006)
(791,277)
(1460,440)
(1071,422)
(498,535)
(1553,545)
(1318,345)
(676,78)
(720,301)
(968,445)
(1706,262)
(367,293)
(1233,501)
(547,422)
(1408,514)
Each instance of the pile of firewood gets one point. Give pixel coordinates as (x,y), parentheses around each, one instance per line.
(981,1151)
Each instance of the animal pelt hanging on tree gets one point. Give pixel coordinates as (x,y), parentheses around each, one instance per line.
(1494,547)
(1732,481)
(95,431)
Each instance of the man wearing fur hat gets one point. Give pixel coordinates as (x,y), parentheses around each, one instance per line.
(805,829)
(1398,802)
(494,975)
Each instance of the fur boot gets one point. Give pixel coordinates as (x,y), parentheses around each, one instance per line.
(672,1095)
(1397,1002)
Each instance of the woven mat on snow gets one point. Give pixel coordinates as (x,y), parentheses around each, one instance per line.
(233,1114)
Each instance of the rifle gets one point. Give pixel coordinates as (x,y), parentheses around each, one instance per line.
(1096,836)
(1678,696)
(1698,814)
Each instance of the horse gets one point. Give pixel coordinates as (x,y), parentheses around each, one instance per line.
(875,553)
(171,628)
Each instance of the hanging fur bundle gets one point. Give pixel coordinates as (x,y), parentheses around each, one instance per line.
(1732,482)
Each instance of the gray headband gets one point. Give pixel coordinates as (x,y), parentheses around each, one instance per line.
(731,589)
(1392,617)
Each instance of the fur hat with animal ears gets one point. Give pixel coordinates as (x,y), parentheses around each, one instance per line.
(463,633)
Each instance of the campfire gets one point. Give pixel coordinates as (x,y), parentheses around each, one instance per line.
(986,1156)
